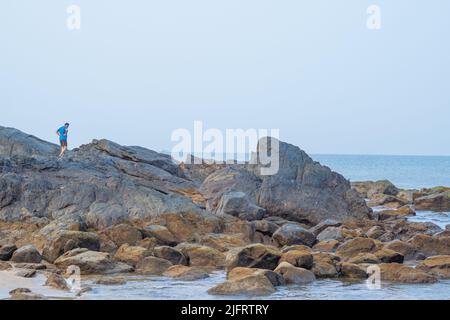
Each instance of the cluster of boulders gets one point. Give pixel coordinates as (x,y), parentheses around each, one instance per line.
(109,210)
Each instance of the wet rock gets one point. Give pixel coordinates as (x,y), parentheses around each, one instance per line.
(25,273)
(199,255)
(91,262)
(57,281)
(436,265)
(352,270)
(253,256)
(297,258)
(402,212)
(7,251)
(352,247)
(175,256)
(153,266)
(4,266)
(25,294)
(292,233)
(131,254)
(111,281)
(400,273)
(27,253)
(181,272)
(294,275)
(255,285)
(241,272)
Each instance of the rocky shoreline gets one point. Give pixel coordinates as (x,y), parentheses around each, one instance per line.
(112,210)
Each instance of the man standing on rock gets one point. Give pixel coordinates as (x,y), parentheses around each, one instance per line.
(62,134)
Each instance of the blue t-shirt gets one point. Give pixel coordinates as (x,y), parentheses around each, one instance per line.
(62,133)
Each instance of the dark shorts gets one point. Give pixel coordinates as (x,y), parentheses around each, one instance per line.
(63,143)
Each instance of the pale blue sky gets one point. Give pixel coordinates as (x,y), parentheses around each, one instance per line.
(139,69)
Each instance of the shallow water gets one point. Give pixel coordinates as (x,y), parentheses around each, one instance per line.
(153,288)
(440,218)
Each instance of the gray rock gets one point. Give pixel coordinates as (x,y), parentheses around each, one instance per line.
(331,233)
(238,204)
(28,254)
(323,225)
(292,233)
(7,251)
(302,190)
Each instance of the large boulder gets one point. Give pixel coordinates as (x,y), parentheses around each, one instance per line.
(298,258)
(199,255)
(253,256)
(241,272)
(153,266)
(294,275)
(239,205)
(66,240)
(355,246)
(292,233)
(131,254)
(301,190)
(27,253)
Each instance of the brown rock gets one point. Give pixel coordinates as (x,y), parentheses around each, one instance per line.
(223,242)
(27,253)
(203,256)
(294,275)
(400,273)
(326,246)
(351,270)
(57,281)
(436,265)
(256,285)
(153,266)
(364,258)
(124,234)
(161,234)
(431,246)
(241,272)
(351,248)
(297,258)
(434,202)
(404,248)
(185,273)
(388,256)
(253,256)
(173,255)
(131,254)
(325,265)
